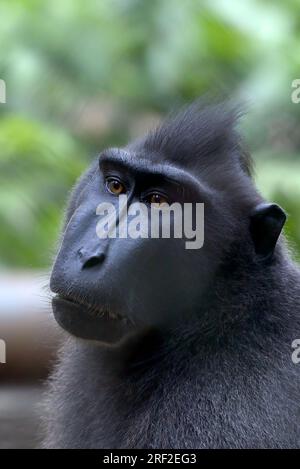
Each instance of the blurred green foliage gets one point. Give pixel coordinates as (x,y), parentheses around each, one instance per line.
(84,75)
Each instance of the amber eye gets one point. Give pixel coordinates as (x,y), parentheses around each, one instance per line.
(114,186)
(157,199)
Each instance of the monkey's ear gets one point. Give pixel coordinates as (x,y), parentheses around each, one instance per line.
(266,223)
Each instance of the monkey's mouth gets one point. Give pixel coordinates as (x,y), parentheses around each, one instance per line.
(89,322)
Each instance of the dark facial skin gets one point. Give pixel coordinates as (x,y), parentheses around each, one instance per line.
(110,289)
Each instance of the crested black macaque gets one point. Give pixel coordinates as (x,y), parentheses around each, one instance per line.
(169,347)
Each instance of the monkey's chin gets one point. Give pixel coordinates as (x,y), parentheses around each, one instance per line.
(79,321)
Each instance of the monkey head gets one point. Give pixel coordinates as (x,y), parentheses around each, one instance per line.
(107,289)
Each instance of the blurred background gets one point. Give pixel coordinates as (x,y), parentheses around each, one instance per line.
(81,76)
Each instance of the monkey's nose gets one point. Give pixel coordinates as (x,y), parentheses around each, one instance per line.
(89,259)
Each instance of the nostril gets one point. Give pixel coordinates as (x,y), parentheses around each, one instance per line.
(93,261)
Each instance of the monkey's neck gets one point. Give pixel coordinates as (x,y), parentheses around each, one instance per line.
(129,396)
(257,299)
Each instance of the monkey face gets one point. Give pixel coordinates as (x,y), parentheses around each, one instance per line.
(111,287)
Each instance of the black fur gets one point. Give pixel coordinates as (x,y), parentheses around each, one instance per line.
(224,377)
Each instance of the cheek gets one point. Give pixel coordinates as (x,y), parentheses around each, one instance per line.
(154,279)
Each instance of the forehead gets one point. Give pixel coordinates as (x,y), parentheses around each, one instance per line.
(136,162)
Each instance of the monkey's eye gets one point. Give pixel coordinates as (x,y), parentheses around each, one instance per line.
(156,199)
(115,187)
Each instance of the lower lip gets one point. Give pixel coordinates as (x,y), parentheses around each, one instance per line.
(75,319)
